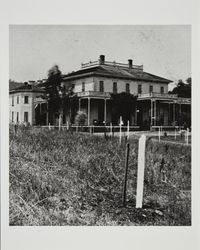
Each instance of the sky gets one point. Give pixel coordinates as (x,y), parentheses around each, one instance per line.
(164,50)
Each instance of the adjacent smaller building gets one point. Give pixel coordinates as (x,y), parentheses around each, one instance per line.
(23,103)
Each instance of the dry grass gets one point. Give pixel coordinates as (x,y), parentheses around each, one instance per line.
(59,178)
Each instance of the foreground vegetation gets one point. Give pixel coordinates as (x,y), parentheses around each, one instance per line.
(60,178)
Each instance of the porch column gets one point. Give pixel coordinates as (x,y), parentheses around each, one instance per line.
(88,111)
(79,104)
(169,115)
(105,111)
(47,117)
(174,112)
(151,112)
(155,113)
(135,115)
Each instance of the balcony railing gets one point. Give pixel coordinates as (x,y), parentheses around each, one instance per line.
(157,95)
(115,64)
(96,94)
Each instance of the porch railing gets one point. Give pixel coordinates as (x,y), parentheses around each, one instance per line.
(93,94)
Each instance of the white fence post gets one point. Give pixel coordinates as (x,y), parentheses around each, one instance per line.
(49,126)
(67,125)
(111,129)
(59,122)
(175,134)
(159,133)
(120,130)
(128,130)
(187,136)
(140,171)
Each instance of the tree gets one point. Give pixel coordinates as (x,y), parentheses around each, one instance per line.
(123,104)
(183,89)
(55,92)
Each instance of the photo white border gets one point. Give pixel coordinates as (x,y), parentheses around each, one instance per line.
(154,12)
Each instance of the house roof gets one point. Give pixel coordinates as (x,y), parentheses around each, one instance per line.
(26,88)
(116,72)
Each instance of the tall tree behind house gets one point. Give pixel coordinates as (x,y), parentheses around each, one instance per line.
(54,92)
(183,89)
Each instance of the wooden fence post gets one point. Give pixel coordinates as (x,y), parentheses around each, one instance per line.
(175,134)
(159,133)
(128,128)
(120,130)
(187,136)
(125,176)
(140,171)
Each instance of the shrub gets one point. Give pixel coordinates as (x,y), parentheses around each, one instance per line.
(80,118)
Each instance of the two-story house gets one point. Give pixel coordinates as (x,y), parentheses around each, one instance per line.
(94,85)
(26,105)
(95,82)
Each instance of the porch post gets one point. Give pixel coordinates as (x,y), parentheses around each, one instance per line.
(105,111)
(151,111)
(40,113)
(174,110)
(136,115)
(155,113)
(88,111)
(79,104)
(47,117)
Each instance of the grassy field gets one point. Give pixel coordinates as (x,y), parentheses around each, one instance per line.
(60,178)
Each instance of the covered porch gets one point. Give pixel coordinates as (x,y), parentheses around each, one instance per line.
(97,106)
(163,110)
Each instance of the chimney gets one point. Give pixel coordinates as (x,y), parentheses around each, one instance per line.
(101,59)
(130,63)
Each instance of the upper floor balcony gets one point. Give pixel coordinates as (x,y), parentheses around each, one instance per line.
(94,94)
(165,97)
(157,96)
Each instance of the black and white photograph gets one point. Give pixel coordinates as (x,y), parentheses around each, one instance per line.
(100,125)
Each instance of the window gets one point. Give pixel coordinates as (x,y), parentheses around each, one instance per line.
(139,89)
(12,100)
(17,116)
(150,89)
(12,116)
(115,87)
(25,116)
(26,99)
(101,87)
(127,88)
(162,90)
(83,87)
(17,99)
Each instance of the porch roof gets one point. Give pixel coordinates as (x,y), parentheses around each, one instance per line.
(165,97)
